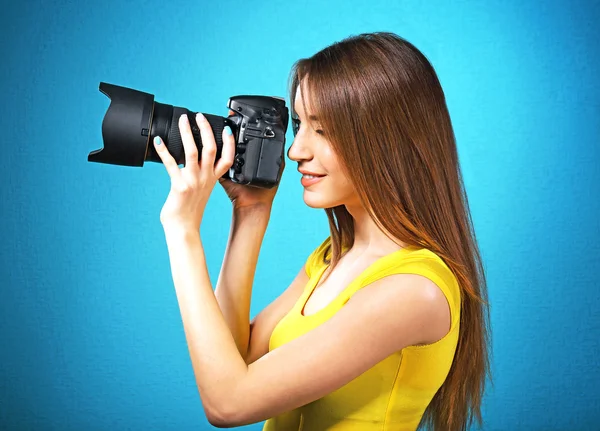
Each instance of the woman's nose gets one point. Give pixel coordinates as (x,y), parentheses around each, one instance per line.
(298,151)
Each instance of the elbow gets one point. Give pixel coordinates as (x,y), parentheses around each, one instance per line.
(232,415)
(218,423)
(227,408)
(214,414)
(222,420)
(225,414)
(216,419)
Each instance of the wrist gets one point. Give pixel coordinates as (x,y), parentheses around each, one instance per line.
(180,231)
(256,210)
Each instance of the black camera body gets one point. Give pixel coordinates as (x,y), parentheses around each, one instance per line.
(133,119)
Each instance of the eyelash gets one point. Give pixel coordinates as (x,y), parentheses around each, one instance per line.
(297,122)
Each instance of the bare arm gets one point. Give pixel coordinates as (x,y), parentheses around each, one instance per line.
(234,287)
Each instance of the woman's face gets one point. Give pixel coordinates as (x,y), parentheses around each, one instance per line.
(314,154)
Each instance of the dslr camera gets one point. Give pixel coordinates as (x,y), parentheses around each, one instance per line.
(133,119)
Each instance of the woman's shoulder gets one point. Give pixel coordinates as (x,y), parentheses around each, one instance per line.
(411,255)
(426,255)
(323,250)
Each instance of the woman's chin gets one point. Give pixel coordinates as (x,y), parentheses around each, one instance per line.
(313,200)
(313,204)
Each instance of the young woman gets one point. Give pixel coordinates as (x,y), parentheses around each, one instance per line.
(385,327)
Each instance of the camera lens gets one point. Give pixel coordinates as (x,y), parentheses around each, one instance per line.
(133,119)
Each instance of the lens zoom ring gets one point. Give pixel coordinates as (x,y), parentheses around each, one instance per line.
(175,143)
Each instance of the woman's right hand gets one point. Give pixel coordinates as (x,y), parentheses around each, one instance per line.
(244,196)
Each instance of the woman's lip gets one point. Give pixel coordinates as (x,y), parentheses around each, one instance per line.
(310,181)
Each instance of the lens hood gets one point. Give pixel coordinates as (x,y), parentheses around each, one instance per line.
(125,127)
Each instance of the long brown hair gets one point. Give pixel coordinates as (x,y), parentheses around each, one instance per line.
(384,113)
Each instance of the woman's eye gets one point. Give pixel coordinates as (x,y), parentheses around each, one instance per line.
(297,123)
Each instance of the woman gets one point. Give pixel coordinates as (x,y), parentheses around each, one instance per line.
(385,327)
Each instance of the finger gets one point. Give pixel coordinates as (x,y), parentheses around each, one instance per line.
(189,145)
(166,158)
(227,153)
(209,146)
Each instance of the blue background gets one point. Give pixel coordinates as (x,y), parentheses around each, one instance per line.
(91,335)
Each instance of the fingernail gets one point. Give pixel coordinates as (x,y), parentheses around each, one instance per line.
(228,130)
(157,140)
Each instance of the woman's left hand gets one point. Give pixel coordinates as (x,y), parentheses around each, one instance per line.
(192,185)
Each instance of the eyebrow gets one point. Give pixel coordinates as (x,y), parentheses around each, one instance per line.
(310,117)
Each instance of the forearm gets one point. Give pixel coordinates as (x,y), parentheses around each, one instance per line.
(234,286)
(218,365)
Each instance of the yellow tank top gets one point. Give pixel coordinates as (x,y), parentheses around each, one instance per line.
(393,394)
